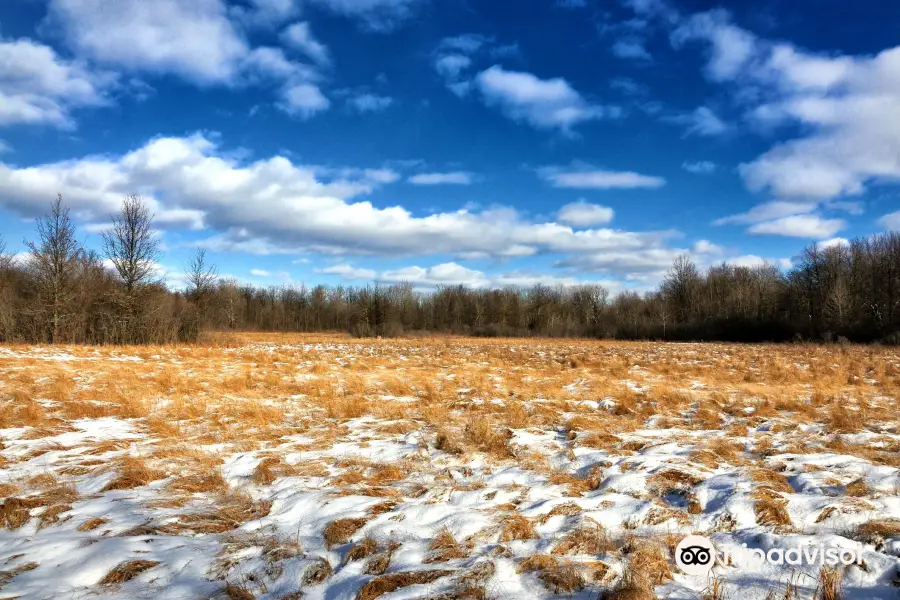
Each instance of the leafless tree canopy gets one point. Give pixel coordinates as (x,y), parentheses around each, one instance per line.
(54,264)
(63,293)
(201,275)
(130,244)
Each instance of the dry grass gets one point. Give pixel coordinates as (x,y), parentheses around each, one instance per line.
(517,527)
(875,532)
(273,395)
(389,583)
(317,572)
(590,538)
(360,550)
(126,571)
(770,509)
(7,576)
(829,585)
(444,547)
(92,524)
(340,531)
(133,473)
(562,578)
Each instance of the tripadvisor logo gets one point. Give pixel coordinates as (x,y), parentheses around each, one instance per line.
(696,555)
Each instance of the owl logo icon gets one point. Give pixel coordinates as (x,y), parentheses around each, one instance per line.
(695,555)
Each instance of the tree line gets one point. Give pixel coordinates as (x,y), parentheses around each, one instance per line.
(62,292)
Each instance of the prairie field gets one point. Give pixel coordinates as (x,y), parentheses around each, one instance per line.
(284,466)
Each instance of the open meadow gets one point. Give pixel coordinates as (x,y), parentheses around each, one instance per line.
(284,466)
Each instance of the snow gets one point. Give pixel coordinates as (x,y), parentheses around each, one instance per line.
(468,495)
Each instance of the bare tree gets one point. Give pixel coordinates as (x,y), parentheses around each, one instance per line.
(55,263)
(130,244)
(201,276)
(6,260)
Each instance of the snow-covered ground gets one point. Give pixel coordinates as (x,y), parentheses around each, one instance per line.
(444,469)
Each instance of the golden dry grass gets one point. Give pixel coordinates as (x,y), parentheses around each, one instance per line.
(127,571)
(282,397)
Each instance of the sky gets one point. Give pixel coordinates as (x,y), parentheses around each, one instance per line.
(455,141)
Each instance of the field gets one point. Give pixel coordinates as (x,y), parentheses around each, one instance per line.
(279,466)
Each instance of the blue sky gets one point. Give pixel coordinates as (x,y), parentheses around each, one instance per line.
(350,141)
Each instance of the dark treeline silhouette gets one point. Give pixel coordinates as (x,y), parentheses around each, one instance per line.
(63,293)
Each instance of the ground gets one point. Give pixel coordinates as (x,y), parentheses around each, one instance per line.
(275,466)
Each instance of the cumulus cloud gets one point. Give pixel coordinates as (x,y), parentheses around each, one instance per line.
(702,121)
(542,103)
(793,218)
(585,176)
(707,247)
(193,39)
(752,261)
(631,48)
(891,221)
(372,15)
(584,214)
(700,167)
(366,103)
(452,65)
(730,47)
(844,107)
(451,178)
(299,36)
(803,226)
(769,210)
(452,273)
(264,274)
(39,87)
(303,100)
(347,271)
(266,13)
(272,205)
(833,242)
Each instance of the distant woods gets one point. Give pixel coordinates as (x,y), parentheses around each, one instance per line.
(60,292)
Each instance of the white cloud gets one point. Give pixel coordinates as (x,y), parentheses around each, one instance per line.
(374,15)
(193,39)
(803,226)
(542,103)
(451,65)
(700,167)
(266,13)
(347,271)
(452,273)
(768,211)
(702,121)
(584,214)
(365,103)
(707,247)
(300,37)
(584,176)
(631,48)
(452,178)
(264,274)
(303,100)
(39,87)
(891,221)
(731,48)
(844,106)
(833,242)
(752,261)
(467,43)
(271,205)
